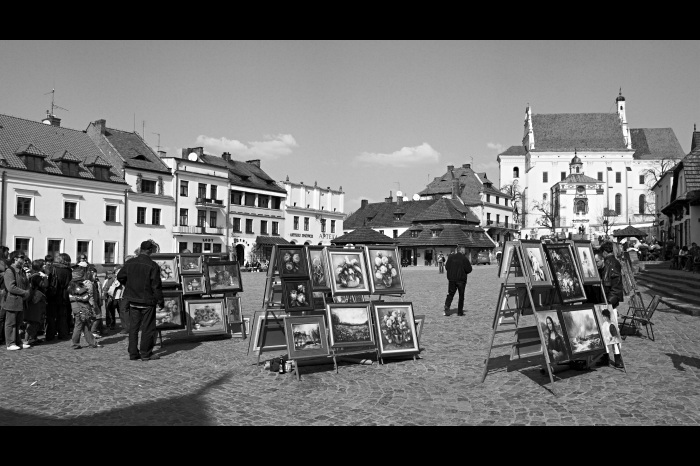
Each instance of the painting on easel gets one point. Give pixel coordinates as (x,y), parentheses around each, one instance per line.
(553,335)
(567,278)
(582,330)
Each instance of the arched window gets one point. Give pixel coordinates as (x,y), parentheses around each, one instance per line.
(618,204)
(642,203)
(578,169)
(581,207)
(516,172)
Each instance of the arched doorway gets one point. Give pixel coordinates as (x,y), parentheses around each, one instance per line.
(240,254)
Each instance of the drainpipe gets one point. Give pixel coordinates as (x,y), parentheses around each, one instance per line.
(2,207)
(176,192)
(126,223)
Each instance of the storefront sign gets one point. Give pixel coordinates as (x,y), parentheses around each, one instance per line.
(302,235)
(327,236)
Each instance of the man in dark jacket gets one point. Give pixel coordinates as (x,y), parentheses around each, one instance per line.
(458,267)
(143,290)
(612,284)
(58,312)
(17,287)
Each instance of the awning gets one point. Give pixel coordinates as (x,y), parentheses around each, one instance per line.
(271,240)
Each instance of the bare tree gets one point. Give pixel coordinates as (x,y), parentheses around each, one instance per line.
(513,190)
(608,218)
(547,216)
(652,175)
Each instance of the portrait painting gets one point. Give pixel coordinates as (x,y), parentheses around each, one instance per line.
(609,328)
(553,335)
(233,308)
(348,271)
(191,264)
(206,316)
(306,337)
(171,317)
(291,261)
(586,261)
(222,277)
(270,337)
(193,284)
(582,330)
(297,295)
(318,265)
(168,264)
(538,270)
(384,270)
(396,328)
(565,272)
(350,325)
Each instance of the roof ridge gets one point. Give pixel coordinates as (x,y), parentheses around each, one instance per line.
(42,124)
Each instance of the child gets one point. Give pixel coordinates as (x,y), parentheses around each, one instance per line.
(80,293)
(91,276)
(35,311)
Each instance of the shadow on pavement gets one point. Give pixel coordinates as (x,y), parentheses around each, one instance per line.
(190,409)
(677,360)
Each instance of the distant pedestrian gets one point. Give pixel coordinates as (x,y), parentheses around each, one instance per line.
(143,290)
(458,267)
(17,292)
(441,262)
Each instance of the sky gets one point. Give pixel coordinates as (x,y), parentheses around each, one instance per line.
(372,117)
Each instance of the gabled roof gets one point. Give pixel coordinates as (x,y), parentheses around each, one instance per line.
(655,144)
(691,168)
(30,149)
(382,214)
(470,185)
(447,210)
(450,235)
(245,174)
(514,150)
(580,178)
(18,134)
(134,151)
(582,131)
(363,235)
(629,231)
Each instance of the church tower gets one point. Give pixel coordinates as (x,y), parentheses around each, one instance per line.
(620,105)
(576,166)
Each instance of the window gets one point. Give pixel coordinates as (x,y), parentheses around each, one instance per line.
(110,252)
(212,219)
(516,172)
(506,221)
(323,225)
(618,177)
(262,201)
(22,244)
(249,225)
(155,217)
(498,218)
(488,217)
(276,203)
(396,233)
(434,233)
(488,198)
(496,199)
(381,231)
(580,207)
(545,177)
(641,179)
(236,197)
(54,246)
(544,197)
(140,215)
(212,191)
(414,233)
(618,203)
(642,203)
(563,176)
(237,224)
(148,186)
(24,206)
(332,226)
(263,227)
(35,164)
(505,201)
(306,223)
(83,248)
(182,246)
(184,187)
(201,190)
(111,213)
(207,247)
(600,176)
(196,248)
(296,222)
(201,218)
(275,228)
(250,199)
(70,210)
(216,247)
(183,217)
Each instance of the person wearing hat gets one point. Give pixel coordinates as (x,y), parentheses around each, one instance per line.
(458,267)
(143,290)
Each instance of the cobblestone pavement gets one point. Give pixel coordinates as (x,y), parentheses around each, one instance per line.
(214,382)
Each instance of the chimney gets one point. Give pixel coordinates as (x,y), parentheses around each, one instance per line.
(466,165)
(100,125)
(226,156)
(455,188)
(255,162)
(399,200)
(450,168)
(162,154)
(363,203)
(388,199)
(52,120)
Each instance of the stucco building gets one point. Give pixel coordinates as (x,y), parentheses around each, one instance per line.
(313,215)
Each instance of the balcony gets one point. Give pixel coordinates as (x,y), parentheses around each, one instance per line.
(194,230)
(208,202)
(504,225)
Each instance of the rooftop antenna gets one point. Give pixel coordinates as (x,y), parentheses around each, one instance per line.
(158,134)
(53,104)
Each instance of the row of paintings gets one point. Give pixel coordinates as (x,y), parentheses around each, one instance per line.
(198,316)
(197,276)
(567,266)
(578,331)
(389,326)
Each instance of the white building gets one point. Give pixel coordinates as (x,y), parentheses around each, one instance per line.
(610,152)
(662,195)
(313,215)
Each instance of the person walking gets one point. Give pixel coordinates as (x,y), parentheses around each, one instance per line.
(17,292)
(441,262)
(143,290)
(458,267)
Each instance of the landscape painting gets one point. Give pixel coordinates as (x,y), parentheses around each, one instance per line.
(350,325)
(306,337)
(582,330)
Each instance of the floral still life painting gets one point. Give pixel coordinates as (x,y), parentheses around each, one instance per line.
(206,316)
(297,295)
(385,273)
(396,328)
(349,272)
(292,262)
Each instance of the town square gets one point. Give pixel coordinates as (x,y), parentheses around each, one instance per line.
(320,233)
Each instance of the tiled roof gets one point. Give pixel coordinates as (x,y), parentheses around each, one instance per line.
(96,161)
(134,150)
(64,155)
(31,150)
(579,178)
(691,169)
(447,210)
(514,150)
(16,133)
(450,235)
(363,235)
(695,142)
(381,214)
(629,231)
(245,174)
(655,143)
(271,240)
(470,186)
(582,131)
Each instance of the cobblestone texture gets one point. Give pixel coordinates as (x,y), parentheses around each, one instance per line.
(199,382)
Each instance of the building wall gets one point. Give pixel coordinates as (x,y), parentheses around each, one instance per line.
(316,205)
(161,233)
(257,214)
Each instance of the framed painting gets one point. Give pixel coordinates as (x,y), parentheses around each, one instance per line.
(348,271)
(357,298)
(191,264)
(536,264)
(318,264)
(236,330)
(609,328)
(168,269)
(384,270)
(192,284)
(291,261)
(510,261)
(296,295)
(553,336)
(565,272)
(171,317)
(582,330)
(306,337)
(396,328)
(206,316)
(419,320)
(270,337)
(350,325)
(274,292)
(222,277)
(233,308)
(586,262)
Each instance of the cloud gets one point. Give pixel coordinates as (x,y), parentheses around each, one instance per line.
(271,147)
(405,157)
(496,146)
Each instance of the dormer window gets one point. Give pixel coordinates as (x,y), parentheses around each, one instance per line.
(414,233)
(33,163)
(70,168)
(101,173)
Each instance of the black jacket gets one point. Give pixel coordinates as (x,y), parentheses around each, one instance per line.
(458,267)
(141,279)
(612,280)
(64,275)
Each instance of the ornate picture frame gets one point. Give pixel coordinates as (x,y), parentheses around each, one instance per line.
(536,263)
(319,268)
(169,269)
(191,264)
(396,328)
(222,277)
(193,284)
(348,269)
(384,270)
(206,317)
(583,251)
(297,295)
(565,272)
(292,261)
(350,325)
